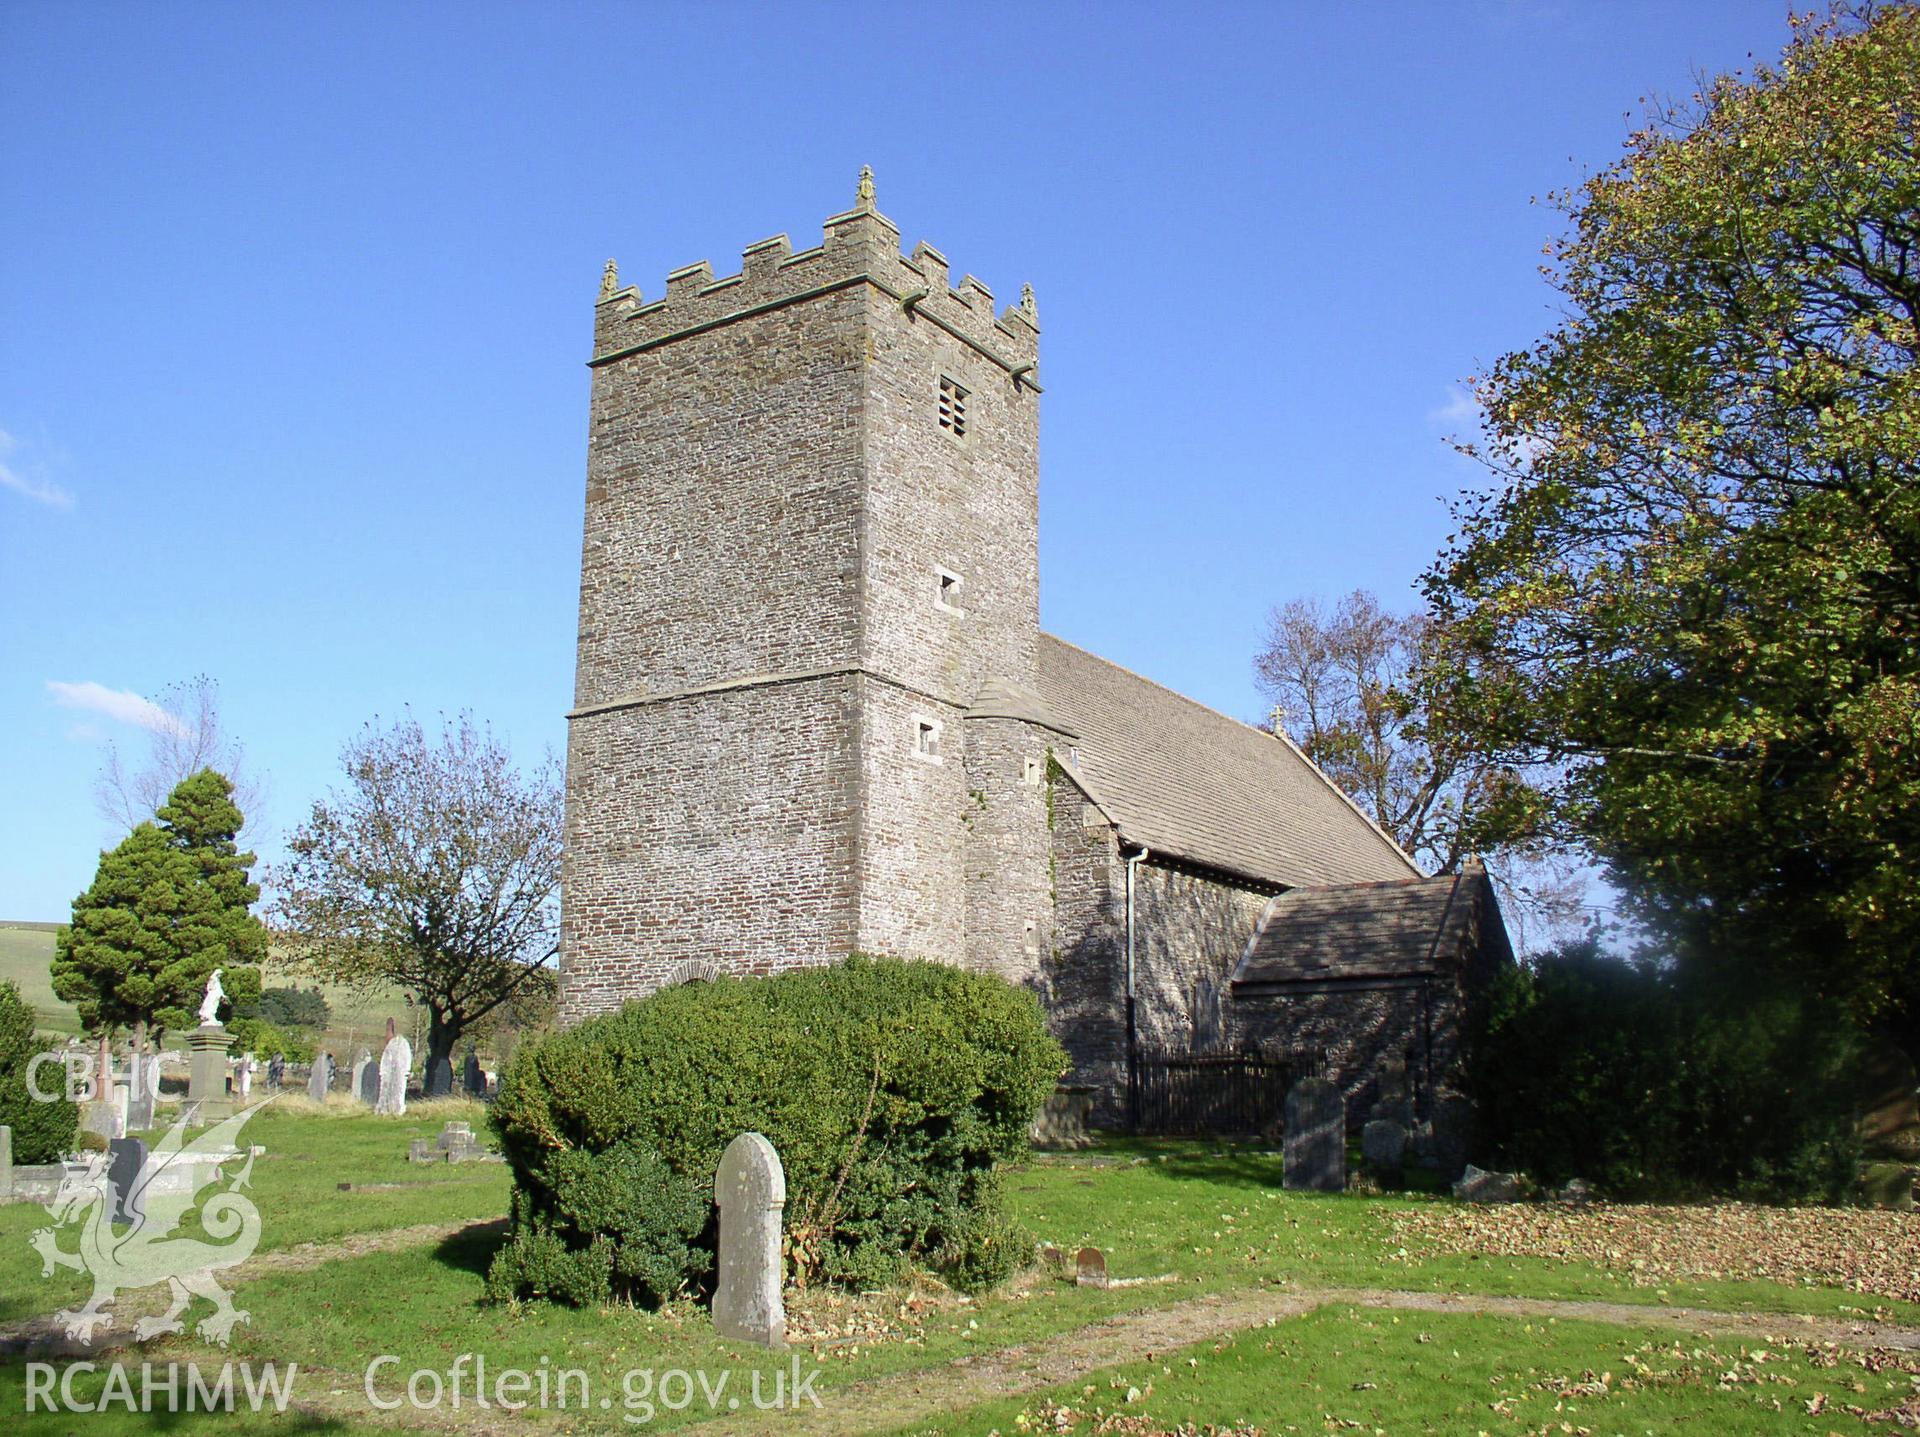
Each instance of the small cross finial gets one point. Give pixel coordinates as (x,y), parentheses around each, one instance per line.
(863,197)
(609,280)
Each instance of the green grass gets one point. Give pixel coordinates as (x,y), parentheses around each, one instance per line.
(1215,1220)
(1218,1218)
(25,953)
(1367,1371)
(296,1187)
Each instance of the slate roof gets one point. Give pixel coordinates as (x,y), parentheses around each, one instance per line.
(1361,930)
(1193,784)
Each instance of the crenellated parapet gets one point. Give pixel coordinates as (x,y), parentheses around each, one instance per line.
(859,247)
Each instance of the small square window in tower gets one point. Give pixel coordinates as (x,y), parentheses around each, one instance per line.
(946,593)
(926,740)
(953,408)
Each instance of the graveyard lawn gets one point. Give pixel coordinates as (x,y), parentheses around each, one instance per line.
(1366,1371)
(296,1185)
(395,1266)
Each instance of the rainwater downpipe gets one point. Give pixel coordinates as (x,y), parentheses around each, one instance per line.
(1133,1031)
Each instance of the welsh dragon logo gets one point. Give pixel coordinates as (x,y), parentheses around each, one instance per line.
(141,1253)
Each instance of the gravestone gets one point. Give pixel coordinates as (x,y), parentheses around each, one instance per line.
(1090,1267)
(440,1078)
(1450,1133)
(108,1117)
(396,1061)
(6,1163)
(1065,1120)
(1478,1185)
(276,1072)
(367,1088)
(751,1189)
(243,1077)
(1383,1143)
(1394,1103)
(1052,1258)
(1889,1124)
(143,1091)
(1315,1152)
(419,1150)
(474,1077)
(125,1158)
(357,1077)
(320,1076)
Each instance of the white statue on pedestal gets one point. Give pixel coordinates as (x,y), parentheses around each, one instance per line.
(210,1005)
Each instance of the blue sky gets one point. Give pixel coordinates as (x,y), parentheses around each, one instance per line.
(295,299)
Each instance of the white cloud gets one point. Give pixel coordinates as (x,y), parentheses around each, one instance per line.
(123,705)
(38,490)
(1461,408)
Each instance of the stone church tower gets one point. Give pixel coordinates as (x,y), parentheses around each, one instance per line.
(806,719)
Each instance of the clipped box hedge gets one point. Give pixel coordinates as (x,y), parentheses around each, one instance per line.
(891,1090)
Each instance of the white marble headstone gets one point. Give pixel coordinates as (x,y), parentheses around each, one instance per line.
(396,1061)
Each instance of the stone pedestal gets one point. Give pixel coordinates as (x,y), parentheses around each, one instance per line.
(207,1100)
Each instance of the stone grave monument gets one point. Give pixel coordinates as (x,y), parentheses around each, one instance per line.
(396,1061)
(1315,1152)
(751,1189)
(207,1061)
(320,1076)
(125,1158)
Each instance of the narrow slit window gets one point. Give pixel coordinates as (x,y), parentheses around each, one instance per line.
(946,592)
(953,408)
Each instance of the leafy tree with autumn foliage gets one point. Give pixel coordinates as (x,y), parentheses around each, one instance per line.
(1693,592)
(436,869)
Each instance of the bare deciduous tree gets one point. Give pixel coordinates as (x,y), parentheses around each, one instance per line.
(1347,686)
(193,739)
(436,870)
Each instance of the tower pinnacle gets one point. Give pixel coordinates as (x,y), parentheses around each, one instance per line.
(863,197)
(609,280)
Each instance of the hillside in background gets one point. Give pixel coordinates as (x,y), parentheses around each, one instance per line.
(26,953)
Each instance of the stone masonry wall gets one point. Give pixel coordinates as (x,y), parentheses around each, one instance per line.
(1190,930)
(909,872)
(1009,905)
(717,827)
(1083,975)
(968,506)
(723,505)
(1358,1029)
